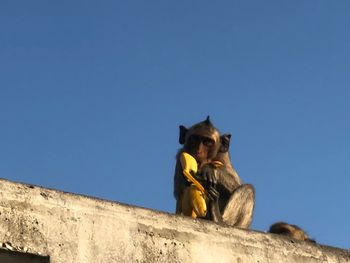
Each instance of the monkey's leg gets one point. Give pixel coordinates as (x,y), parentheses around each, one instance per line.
(239,208)
(178,206)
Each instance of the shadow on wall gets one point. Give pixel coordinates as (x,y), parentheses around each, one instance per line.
(8,256)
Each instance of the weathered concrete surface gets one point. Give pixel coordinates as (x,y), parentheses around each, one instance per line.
(75,228)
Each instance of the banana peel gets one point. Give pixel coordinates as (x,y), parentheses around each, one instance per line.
(194,201)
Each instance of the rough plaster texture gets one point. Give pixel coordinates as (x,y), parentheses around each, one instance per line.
(74,228)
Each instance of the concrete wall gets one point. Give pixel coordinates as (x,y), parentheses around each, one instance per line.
(75,228)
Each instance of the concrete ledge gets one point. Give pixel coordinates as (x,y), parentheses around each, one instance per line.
(75,228)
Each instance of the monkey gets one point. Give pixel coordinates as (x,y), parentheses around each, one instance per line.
(229,200)
(292,231)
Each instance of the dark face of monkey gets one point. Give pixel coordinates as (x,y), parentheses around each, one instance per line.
(202,141)
(201,147)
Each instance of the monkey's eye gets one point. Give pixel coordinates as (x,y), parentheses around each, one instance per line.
(195,139)
(208,142)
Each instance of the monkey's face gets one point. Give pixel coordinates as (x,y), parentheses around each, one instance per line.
(202,148)
(203,141)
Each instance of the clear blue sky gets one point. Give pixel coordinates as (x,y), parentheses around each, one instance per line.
(92,94)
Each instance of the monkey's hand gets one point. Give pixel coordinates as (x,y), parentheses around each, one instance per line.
(208,175)
(214,210)
(213,194)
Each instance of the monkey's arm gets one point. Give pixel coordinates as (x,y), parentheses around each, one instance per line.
(221,178)
(214,207)
(227,180)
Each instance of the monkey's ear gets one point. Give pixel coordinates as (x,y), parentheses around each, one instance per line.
(225,142)
(183,131)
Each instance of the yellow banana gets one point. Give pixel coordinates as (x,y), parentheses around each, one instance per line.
(194,199)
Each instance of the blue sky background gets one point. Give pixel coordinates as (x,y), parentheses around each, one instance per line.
(92,94)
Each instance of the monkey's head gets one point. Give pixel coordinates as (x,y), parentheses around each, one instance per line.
(203,141)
